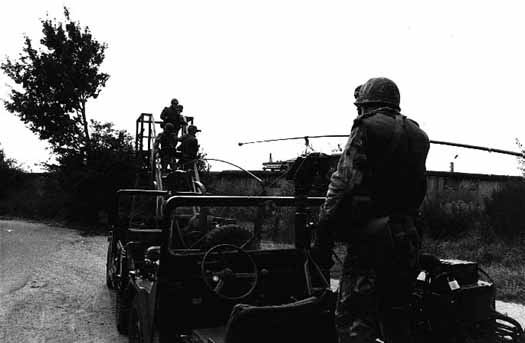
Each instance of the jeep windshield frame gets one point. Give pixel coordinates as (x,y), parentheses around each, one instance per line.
(298,203)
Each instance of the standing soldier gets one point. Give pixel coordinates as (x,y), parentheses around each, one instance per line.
(371,205)
(164,146)
(172,114)
(189,147)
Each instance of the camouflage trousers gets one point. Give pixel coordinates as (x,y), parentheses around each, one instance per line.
(167,158)
(376,288)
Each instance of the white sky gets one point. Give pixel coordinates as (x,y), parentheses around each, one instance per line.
(250,70)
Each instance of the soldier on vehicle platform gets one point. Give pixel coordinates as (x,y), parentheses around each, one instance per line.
(165,145)
(172,114)
(188,148)
(372,205)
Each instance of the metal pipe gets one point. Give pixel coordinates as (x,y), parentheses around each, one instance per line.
(215,200)
(476,147)
(241,168)
(460,145)
(291,138)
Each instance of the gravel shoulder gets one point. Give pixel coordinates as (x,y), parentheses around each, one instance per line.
(58,292)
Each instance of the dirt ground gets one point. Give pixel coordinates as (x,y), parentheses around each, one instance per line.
(63,297)
(52,287)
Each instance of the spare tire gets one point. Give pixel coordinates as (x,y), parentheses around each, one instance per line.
(229,234)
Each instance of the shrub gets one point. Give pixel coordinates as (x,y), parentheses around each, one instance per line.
(505,210)
(451,214)
(11,176)
(90,185)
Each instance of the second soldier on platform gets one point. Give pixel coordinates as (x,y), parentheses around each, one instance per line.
(165,145)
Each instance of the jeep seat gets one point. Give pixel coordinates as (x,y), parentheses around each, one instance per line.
(308,320)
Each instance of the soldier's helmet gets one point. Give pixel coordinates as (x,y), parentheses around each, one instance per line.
(193,128)
(174,102)
(168,127)
(378,90)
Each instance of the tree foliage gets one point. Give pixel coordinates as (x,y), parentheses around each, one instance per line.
(55,82)
(91,188)
(52,83)
(505,210)
(10,174)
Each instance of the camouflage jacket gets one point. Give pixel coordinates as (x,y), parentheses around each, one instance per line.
(189,146)
(384,162)
(172,115)
(165,141)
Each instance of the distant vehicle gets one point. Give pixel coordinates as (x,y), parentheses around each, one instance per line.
(278,165)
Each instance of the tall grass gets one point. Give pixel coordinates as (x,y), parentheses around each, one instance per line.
(503,260)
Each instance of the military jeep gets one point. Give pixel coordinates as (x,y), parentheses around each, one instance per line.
(219,291)
(269,288)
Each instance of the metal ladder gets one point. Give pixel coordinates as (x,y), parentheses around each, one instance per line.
(150,166)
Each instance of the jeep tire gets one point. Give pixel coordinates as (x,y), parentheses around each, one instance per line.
(122,310)
(109,261)
(135,333)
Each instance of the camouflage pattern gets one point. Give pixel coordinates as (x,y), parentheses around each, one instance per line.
(189,148)
(382,259)
(165,144)
(172,114)
(375,288)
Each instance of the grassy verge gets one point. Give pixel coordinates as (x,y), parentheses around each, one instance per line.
(503,260)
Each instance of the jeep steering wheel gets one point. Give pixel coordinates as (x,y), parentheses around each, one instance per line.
(229,272)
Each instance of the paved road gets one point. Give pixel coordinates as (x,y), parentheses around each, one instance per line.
(52,287)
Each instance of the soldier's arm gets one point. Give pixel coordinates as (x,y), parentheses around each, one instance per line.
(163,114)
(194,148)
(348,175)
(156,143)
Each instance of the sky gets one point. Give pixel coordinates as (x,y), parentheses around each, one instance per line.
(251,70)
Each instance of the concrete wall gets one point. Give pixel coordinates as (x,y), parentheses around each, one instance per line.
(233,182)
(470,188)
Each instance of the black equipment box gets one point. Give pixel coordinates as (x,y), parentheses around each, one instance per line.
(457,298)
(466,305)
(464,272)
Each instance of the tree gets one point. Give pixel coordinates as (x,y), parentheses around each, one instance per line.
(54,83)
(90,190)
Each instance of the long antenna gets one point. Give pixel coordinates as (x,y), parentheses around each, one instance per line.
(291,138)
(461,145)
